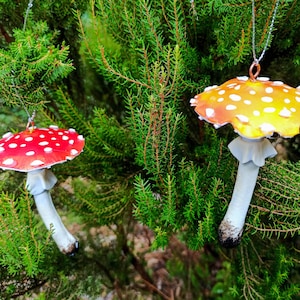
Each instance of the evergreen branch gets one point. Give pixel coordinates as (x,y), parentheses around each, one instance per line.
(276,230)
(20,245)
(118,74)
(150,19)
(104,60)
(248,288)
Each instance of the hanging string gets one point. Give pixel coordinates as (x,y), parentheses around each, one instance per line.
(29,6)
(255,59)
(30,122)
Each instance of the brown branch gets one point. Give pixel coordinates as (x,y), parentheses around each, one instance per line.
(6,36)
(140,268)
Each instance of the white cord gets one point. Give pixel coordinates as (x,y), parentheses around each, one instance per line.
(257,60)
(30,4)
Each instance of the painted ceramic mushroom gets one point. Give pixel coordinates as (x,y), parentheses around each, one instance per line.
(257,108)
(34,151)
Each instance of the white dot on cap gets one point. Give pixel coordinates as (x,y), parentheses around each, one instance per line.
(65,138)
(230,107)
(80,137)
(221,92)
(71,142)
(217,126)
(277,83)
(242,118)
(23,145)
(297,99)
(256,113)
(285,90)
(269,90)
(36,163)
(263,78)
(48,149)
(193,102)
(8,162)
(28,138)
(2,149)
(267,99)
(235,97)
(269,109)
(267,128)
(73,152)
(252,92)
(292,109)
(13,145)
(287,100)
(237,87)
(231,85)
(207,89)
(43,143)
(30,153)
(42,136)
(221,99)
(7,135)
(247,102)
(285,113)
(210,112)
(242,78)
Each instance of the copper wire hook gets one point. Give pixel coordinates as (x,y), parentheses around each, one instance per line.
(30,123)
(257,66)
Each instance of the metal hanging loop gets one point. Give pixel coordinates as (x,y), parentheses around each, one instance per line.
(30,123)
(255,75)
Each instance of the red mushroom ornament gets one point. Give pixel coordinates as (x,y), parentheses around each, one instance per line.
(257,108)
(34,151)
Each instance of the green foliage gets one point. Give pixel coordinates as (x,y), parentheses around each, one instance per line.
(22,244)
(151,71)
(100,203)
(107,142)
(30,64)
(105,192)
(273,215)
(274,281)
(147,159)
(186,201)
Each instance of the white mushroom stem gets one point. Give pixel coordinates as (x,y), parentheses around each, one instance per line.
(39,182)
(251,155)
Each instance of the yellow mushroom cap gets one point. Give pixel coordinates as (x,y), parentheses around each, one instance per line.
(255,108)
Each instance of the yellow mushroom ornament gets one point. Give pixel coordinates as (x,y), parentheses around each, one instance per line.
(257,108)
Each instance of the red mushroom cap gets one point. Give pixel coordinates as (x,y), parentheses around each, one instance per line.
(255,108)
(39,148)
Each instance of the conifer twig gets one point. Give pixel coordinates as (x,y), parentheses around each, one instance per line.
(104,60)
(110,69)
